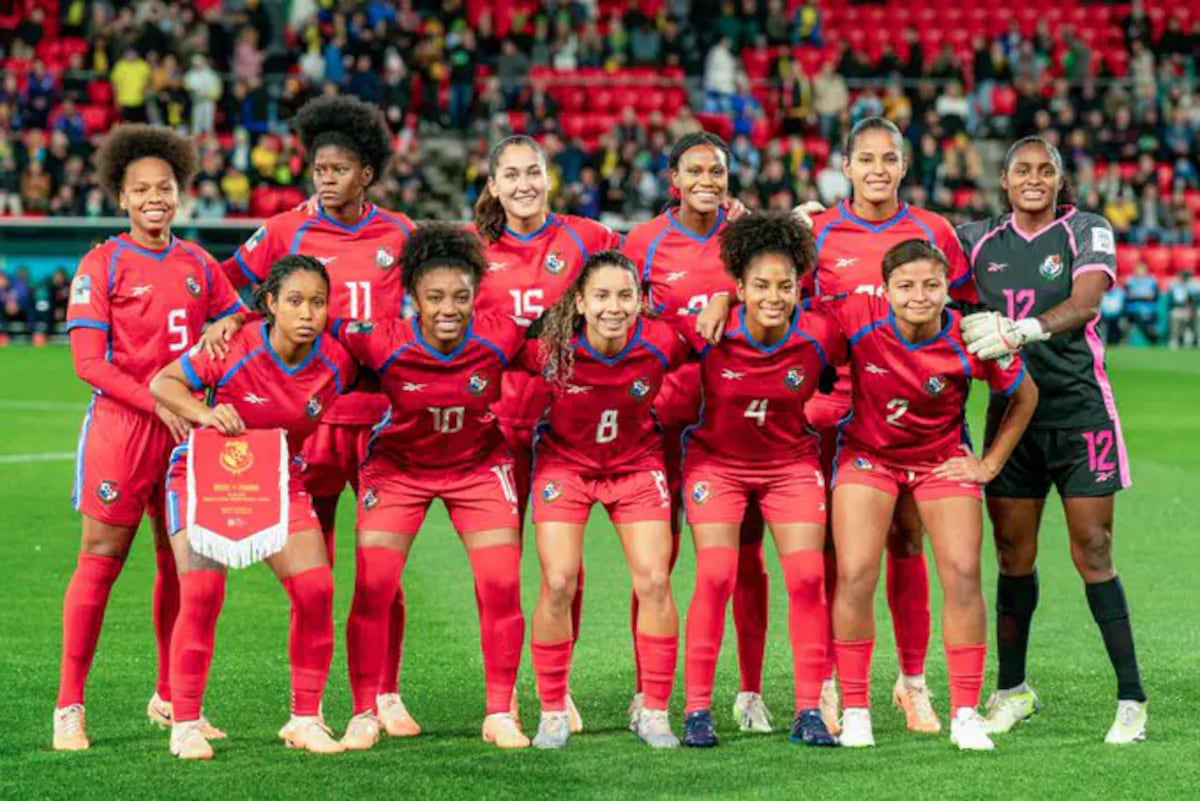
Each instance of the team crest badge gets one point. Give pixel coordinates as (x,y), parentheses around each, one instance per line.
(360,327)
(107,491)
(313,407)
(551,492)
(384,258)
(794,379)
(555,263)
(370,498)
(935,384)
(1052,267)
(236,456)
(863,463)
(640,388)
(193,286)
(701,492)
(477,383)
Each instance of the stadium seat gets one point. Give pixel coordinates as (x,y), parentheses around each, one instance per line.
(1127,258)
(1185,257)
(1004,100)
(1158,259)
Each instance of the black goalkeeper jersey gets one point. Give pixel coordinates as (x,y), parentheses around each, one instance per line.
(1021,275)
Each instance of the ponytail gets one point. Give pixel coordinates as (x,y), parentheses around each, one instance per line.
(489,217)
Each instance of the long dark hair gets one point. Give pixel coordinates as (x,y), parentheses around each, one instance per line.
(284,267)
(563,320)
(1064,192)
(489,213)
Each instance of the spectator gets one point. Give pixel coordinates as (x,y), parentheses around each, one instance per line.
(210,205)
(39,95)
(831,97)
(235,186)
(204,88)
(645,44)
(684,122)
(513,69)
(797,100)
(807,22)
(10,184)
(1153,219)
(58,293)
(1112,315)
(70,122)
(630,129)
(1184,297)
(364,82)
(247,57)
(1141,304)
(1122,213)
(564,48)
(832,183)
(131,84)
(720,75)
(745,107)
(36,188)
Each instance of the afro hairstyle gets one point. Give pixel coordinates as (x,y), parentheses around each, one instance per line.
(126,144)
(439,244)
(775,232)
(345,121)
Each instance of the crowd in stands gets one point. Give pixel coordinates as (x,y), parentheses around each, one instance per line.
(607,87)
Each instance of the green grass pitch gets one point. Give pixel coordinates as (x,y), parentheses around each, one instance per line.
(1059,755)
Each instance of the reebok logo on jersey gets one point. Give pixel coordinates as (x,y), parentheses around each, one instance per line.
(996,267)
(140,290)
(1105,476)
(496,266)
(326,260)
(731,375)
(673,277)
(409,386)
(875,369)
(845,262)
(257,400)
(576,389)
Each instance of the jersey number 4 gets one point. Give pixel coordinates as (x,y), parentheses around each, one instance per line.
(757,411)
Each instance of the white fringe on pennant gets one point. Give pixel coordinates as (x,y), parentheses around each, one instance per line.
(248,550)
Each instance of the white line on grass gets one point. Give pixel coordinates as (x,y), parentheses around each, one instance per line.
(20,458)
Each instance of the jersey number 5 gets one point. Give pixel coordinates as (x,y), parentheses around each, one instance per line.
(177,327)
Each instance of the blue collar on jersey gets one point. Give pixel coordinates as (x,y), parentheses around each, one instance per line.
(468,335)
(683,229)
(126,241)
(366,218)
(901,214)
(758,345)
(532,235)
(312,354)
(635,336)
(916,345)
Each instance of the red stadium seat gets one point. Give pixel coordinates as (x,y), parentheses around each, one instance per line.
(1166,174)
(1185,257)
(1158,259)
(1127,258)
(1004,100)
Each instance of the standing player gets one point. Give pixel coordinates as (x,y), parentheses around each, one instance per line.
(348,145)
(532,256)
(599,443)
(911,376)
(679,252)
(1044,269)
(851,240)
(136,302)
(441,371)
(288,362)
(752,441)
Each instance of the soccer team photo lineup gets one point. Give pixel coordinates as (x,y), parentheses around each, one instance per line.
(676,310)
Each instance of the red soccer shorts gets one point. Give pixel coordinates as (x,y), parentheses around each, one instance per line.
(860,466)
(479,497)
(718,493)
(561,495)
(331,458)
(301,516)
(120,464)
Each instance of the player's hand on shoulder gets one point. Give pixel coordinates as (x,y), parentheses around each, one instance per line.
(710,322)
(805,211)
(178,427)
(225,418)
(310,206)
(967,467)
(735,209)
(215,339)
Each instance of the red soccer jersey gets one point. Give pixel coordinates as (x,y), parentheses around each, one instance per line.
(440,418)
(753,402)
(527,274)
(151,304)
(680,269)
(603,422)
(910,397)
(266,392)
(364,273)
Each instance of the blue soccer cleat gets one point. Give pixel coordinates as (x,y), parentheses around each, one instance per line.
(809,729)
(698,730)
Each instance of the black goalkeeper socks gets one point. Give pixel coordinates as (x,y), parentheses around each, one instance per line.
(1111,613)
(1016,599)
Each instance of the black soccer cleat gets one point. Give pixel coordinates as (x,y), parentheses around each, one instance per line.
(809,729)
(698,730)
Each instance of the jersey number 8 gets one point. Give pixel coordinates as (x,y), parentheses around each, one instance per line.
(606,431)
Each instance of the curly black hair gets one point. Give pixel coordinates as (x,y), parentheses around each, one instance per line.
(440,244)
(347,122)
(126,144)
(769,232)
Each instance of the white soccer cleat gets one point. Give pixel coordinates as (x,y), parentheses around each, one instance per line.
(856,728)
(1007,708)
(914,699)
(750,713)
(554,730)
(968,731)
(501,729)
(188,741)
(70,729)
(573,714)
(1130,724)
(635,711)
(362,732)
(654,729)
(162,714)
(309,733)
(828,707)
(395,717)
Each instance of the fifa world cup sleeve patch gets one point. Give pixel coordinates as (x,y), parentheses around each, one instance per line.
(1102,241)
(81,289)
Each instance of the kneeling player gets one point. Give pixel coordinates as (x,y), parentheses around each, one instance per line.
(441,371)
(911,376)
(300,372)
(753,441)
(600,443)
